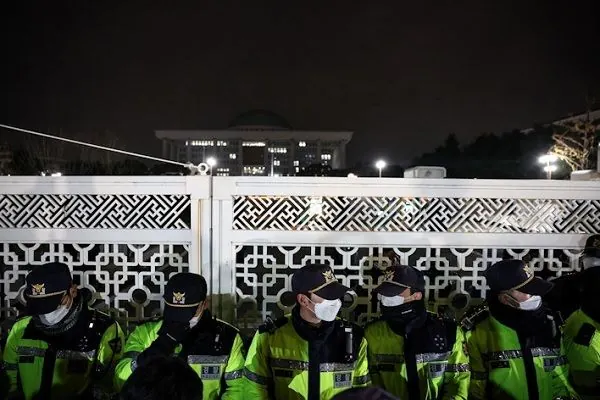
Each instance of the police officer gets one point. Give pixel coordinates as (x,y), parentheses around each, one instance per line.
(309,354)
(415,354)
(64,349)
(582,339)
(515,352)
(213,348)
(565,296)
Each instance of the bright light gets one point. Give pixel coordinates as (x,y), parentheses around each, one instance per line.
(550,168)
(547,158)
(211,161)
(56,174)
(380,164)
(351,175)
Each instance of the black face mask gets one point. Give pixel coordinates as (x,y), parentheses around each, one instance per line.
(404,313)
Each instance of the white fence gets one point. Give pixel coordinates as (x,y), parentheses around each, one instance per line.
(124,236)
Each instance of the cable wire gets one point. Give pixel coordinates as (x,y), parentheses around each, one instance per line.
(191,166)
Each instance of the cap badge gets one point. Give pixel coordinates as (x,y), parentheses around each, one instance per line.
(528,272)
(38,290)
(178,298)
(329,276)
(388,275)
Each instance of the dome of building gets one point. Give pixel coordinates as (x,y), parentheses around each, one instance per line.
(259,120)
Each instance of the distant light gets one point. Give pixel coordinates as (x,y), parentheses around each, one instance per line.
(550,168)
(380,164)
(211,161)
(351,175)
(56,174)
(547,158)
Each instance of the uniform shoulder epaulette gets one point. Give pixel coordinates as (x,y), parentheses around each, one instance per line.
(474,316)
(271,325)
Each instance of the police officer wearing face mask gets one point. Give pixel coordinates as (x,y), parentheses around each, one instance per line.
(213,348)
(582,339)
(64,349)
(310,354)
(415,354)
(515,352)
(566,296)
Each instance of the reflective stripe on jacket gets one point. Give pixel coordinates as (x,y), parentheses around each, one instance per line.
(279,365)
(221,370)
(498,369)
(443,370)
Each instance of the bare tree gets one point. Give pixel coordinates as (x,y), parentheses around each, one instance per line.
(575,143)
(45,154)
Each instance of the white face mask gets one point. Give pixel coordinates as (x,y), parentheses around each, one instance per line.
(531,304)
(54,317)
(391,301)
(589,262)
(327,310)
(194,321)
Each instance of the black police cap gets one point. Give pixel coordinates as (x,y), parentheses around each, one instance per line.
(183,293)
(320,280)
(45,287)
(507,275)
(398,278)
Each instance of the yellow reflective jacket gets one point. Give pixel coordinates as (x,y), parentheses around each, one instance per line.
(214,349)
(283,365)
(432,353)
(502,367)
(83,355)
(581,342)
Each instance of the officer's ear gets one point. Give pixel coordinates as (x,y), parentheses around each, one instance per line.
(417,296)
(303,299)
(508,300)
(73,291)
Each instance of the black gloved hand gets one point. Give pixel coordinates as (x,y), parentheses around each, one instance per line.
(170,335)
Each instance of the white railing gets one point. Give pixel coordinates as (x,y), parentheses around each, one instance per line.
(124,236)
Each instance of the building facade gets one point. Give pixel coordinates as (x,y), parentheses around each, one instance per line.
(257,143)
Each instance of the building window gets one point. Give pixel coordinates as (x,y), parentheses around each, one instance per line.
(296,163)
(280,150)
(254,170)
(253,144)
(221,143)
(232,156)
(325,156)
(302,144)
(297,169)
(276,163)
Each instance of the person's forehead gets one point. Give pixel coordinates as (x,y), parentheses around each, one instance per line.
(316,299)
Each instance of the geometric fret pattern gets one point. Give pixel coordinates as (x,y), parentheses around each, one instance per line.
(415,214)
(125,211)
(127,280)
(454,276)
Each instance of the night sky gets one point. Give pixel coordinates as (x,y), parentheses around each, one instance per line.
(400,74)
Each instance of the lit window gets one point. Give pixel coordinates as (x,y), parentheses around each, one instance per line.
(280,150)
(222,169)
(253,144)
(302,144)
(202,143)
(296,163)
(297,169)
(325,156)
(233,156)
(221,143)
(276,163)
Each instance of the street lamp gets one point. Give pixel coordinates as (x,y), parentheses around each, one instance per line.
(211,161)
(549,167)
(380,164)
